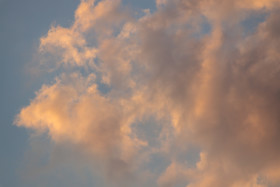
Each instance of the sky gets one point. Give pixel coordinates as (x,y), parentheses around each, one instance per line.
(128,93)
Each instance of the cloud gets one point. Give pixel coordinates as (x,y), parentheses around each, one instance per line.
(216,91)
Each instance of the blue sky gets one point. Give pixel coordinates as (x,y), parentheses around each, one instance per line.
(22,24)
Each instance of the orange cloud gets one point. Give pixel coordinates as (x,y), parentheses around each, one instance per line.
(217,91)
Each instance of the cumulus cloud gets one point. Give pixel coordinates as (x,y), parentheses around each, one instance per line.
(213,94)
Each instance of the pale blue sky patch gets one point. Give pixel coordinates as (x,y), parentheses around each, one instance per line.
(251,23)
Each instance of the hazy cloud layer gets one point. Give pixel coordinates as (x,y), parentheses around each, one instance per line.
(186,84)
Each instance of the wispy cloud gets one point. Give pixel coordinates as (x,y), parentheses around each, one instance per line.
(217,91)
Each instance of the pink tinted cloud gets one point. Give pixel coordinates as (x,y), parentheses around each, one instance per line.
(217,92)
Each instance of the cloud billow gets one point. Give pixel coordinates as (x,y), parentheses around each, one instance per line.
(217,91)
